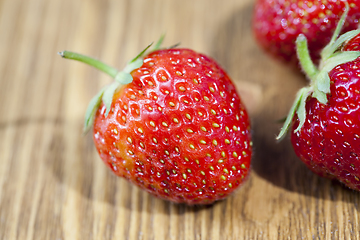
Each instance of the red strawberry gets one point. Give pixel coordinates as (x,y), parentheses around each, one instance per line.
(326,127)
(277,23)
(178,130)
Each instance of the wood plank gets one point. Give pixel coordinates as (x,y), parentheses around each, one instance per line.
(53,184)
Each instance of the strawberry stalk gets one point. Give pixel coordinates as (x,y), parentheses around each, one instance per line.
(319,87)
(112,72)
(106,94)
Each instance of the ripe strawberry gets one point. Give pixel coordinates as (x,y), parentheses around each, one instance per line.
(326,126)
(277,23)
(177,129)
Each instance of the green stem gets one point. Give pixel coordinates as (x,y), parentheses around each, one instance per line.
(90,61)
(334,43)
(303,54)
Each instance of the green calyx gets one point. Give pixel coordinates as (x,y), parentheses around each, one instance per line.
(121,78)
(331,56)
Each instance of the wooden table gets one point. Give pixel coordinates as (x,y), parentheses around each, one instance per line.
(53,184)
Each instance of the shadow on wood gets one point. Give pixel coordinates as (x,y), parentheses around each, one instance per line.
(277,84)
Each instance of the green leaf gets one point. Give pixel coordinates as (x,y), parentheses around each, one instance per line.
(131,66)
(108,95)
(123,78)
(322,82)
(320,96)
(141,53)
(330,48)
(301,111)
(340,58)
(91,110)
(302,52)
(174,46)
(159,42)
(293,110)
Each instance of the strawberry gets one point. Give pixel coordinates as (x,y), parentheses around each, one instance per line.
(325,116)
(173,124)
(277,23)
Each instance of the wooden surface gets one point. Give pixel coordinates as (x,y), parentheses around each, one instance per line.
(53,184)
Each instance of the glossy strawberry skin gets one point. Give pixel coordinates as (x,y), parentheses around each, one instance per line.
(179,130)
(329,141)
(277,23)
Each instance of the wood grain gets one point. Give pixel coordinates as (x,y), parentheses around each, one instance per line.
(53,184)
